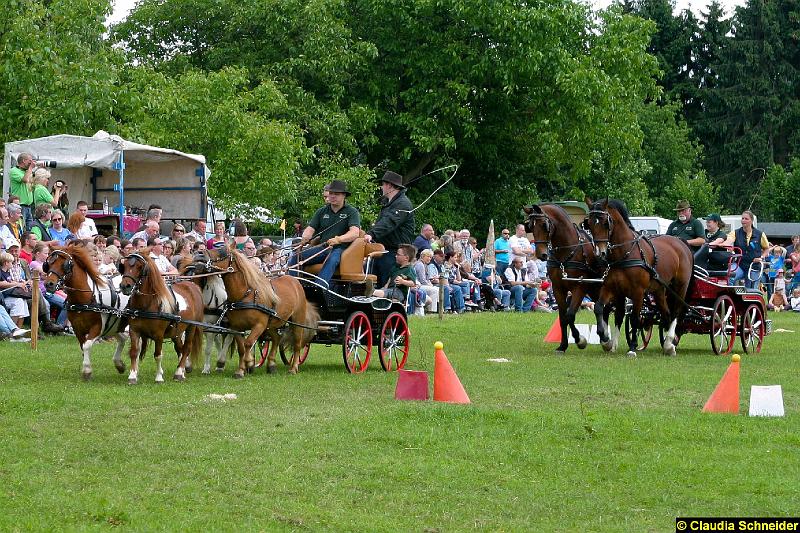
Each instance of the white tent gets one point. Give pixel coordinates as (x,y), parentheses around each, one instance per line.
(126,173)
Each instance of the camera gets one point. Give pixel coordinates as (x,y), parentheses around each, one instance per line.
(46,164)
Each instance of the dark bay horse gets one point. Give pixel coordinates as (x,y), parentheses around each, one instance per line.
(661,265)
(569,253)
(263,306)
(71,268)
(150,295)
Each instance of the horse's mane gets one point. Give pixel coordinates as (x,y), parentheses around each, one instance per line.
(619,207)
(80,255)
(153,283)
(253,277)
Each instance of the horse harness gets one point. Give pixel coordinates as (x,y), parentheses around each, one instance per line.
(584,239)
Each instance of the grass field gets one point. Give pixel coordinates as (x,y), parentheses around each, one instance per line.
(587,441)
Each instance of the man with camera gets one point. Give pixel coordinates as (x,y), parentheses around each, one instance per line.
(21,180)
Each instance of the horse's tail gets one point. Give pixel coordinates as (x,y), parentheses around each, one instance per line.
(196,344)
(300,333)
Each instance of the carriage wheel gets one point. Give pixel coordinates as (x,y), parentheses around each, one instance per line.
(644,334)
(394,342)
(287,359)
(263,349)
(357,343)
(723,325)
(753,326)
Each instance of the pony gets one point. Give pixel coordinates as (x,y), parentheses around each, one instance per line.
(570,255)
(156,313)
(263,306)
(660,265)
(89,294)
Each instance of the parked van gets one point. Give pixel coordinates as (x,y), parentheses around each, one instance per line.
(651,225)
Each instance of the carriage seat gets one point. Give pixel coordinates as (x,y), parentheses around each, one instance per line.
(351,266)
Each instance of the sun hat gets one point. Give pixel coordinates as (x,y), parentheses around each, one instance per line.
(338,186)
(683,204)
(394,178)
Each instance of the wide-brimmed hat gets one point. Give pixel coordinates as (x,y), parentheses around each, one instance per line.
(683,204)
(338,186)
(394,178)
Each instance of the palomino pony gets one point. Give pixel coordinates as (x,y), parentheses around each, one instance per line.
(263,305)
(158,311)
(570,255)
(660,265)
(94,308)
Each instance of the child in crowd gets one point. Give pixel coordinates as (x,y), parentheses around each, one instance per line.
(402,276)
(778,301)
(794,302)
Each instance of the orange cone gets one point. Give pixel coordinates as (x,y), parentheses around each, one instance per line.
(446,385)
(725,398)
(554,335)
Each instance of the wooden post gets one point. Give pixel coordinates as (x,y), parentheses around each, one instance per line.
(35,295)
(441,297)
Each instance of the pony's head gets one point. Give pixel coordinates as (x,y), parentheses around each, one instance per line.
(227,260)
(540,226)
(61,264)
(58,267)
(134,269)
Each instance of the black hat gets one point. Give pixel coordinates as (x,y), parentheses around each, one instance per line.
(394,178)
(338,186)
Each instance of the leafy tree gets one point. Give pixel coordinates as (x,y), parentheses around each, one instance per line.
(776,198)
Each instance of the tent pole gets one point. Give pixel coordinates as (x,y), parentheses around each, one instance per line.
(121,186)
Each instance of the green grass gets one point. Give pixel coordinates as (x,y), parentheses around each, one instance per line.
(586,441)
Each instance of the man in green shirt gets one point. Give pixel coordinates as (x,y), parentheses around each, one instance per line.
(21,178)
(336,225)
(689,230)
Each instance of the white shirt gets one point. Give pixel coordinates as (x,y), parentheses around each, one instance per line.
(87,229)
(5,235)
(519,242)
(161,262)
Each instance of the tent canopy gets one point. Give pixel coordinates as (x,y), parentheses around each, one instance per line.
(126,173)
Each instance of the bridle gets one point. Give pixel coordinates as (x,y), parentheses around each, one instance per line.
(137,281)
(600,217)
(61,279)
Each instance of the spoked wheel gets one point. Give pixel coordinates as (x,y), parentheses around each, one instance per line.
(723,325)
(394,342)
(644,334)
(263,350)
(357,344)
(287,359)
(753,329)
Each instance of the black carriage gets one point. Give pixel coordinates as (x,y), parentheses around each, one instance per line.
(359,323)
(715,308)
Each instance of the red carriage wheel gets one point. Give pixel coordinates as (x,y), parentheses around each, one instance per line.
(263,349)
(753,329)
(287,359)
(723,325)
(644,334)
(394,342)
(357,343)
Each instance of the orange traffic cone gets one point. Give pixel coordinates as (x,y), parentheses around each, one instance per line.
(554,335)
(446,385)
(411,385)
(725,398)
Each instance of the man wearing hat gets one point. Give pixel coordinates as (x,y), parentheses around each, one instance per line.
(688,229)
(395,224)
(336,224)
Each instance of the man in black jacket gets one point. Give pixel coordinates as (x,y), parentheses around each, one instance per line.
(395,224)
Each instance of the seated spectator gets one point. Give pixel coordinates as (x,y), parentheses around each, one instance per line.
(402,276)
(58,232)
(472,282)
(240,236)
(139,245)
(14,223)
(794,302)
(198,232)
(778,301)
(29,240)
(56,301)
(178,231)
(41,223)
(108,265)
(150,231)
(169,251)
(250,252)
(502,296)
(9,329)
(421,269)
(100,242)
(125,248)
(5,231)
(774,260)
(182,251)
(75,222)
(452,274)
(219,236)
(19,272)
(17,308)
(114,240)
(587,303)
(523,291)
(156,245)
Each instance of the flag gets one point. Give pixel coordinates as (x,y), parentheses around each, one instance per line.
(489,260)
(283,224)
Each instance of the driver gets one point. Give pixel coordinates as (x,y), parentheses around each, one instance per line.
(686,228)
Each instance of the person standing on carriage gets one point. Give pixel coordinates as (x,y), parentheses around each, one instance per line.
(336,224)
(754,246)
(686,228)
(713,255)
(394,226)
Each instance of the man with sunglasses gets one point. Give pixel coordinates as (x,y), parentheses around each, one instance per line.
(502,252)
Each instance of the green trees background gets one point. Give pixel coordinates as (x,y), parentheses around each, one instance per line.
(535,101)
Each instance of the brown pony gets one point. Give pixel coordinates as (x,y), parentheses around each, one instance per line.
(660,265)
(263,306)
(150,294)
(71,268)
(570,254)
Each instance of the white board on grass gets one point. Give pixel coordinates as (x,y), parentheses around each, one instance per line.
(589,331)
(766,400)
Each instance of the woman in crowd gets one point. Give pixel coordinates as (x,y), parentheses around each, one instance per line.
(75,222)
(424,281)
(183,251)
(219,235)
(57,230)
(125,248)
(240,237)
(17,307)
(39,189)
(61,188)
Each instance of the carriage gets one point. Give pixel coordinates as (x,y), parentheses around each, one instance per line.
(715,308)
(348,317)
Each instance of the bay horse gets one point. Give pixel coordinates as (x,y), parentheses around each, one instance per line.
(263,305)
(88,294)
(569,252)
(154,301)
(661,265)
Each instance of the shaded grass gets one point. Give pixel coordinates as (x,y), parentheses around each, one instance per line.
(589,441)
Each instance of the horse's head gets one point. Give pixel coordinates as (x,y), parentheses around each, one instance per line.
(217,259)
(600,224)
(134,270)
(540,226)
(58,268)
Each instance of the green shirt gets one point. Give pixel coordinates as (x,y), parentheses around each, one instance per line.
(687,231)
(41,195)
(407,272)
(328,224)
(18,188)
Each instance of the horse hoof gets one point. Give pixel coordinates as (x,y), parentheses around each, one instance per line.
(133,381)
(120,366)
(238,375)
(582,343)
(293,371)
(188,369)
(631,354)
(206,371)
(670,351)
(220,366)
(87,376)
(219,370)
(179,377)
(250,369)
(607,346)
(560,352)
(272,369)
